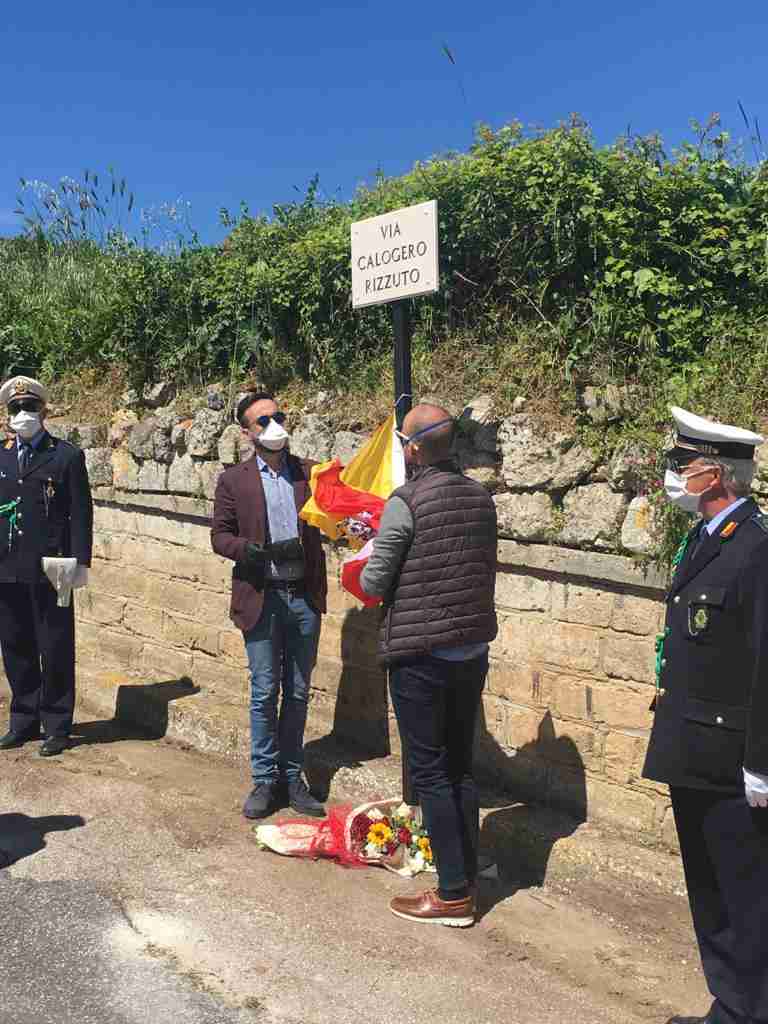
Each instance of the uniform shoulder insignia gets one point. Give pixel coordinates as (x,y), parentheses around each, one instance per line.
(761,520)
(8,445)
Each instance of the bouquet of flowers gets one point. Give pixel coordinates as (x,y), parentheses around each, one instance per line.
(387,833)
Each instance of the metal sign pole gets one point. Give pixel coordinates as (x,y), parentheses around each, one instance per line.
(401,325)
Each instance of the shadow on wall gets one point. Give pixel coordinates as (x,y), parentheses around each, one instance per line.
(141,713)
(360,729)
(548,775)
(21,836)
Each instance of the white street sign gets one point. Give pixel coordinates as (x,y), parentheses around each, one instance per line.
(394,256)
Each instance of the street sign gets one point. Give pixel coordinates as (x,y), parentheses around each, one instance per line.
(394,256)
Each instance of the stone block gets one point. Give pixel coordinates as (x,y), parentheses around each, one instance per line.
(620,705)
(198,538)
(153,476)
(141,439)
(171,595)
(525,778)
(203,435)
(627,467)
(514,642)
(231,646)
(312,438)
(346,444)
(624,658)
(143,621)
(229,445)
(114,520)
(121,426)
(108,546)
(162,664)
(183,477)
(636,531)
(587,605)
(97,607)
(571,697)
(593,516)
(567,646)
(164,528)
(190,634)
(98,462)
(567,791)
(91,435)
(122,581)
(533,459)
(525,517)
(518,726)
(669,830)
(125,471)
(213,608)
(487,476)
(522,593)
(209,473)
(623,754)
(104,649)
(201,566)
(639,615)
(620,807)
(159,394)
(220,677)
(520,684)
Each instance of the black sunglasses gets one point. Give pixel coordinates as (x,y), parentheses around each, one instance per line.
(279,418)
(678,464)
(24,405)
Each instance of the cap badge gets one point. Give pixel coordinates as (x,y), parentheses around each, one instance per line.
(19,387)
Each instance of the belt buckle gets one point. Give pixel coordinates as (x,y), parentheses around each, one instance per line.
(290,588)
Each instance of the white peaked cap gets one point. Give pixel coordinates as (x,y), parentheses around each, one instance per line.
(708,437)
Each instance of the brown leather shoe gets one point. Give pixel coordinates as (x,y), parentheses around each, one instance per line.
(428,908)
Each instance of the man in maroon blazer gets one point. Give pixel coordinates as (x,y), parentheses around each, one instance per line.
(279,588)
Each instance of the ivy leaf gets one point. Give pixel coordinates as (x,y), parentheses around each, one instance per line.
(643,279)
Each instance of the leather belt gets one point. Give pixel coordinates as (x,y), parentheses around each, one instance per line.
(294,586)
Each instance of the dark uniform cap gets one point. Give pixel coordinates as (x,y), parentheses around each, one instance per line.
(696,437)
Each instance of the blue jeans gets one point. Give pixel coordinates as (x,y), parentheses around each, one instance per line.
(282,650)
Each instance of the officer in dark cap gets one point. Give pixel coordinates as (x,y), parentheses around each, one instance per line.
(710,735)
(46,526)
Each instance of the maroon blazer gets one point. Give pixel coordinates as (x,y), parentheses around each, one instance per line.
(240,516)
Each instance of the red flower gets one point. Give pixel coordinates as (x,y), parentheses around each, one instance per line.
(404,836)
(359,829)
(391,846)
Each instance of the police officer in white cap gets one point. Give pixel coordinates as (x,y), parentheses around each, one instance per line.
(710,735)
(46,525)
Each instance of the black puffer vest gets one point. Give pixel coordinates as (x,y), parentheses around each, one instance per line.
(443,596)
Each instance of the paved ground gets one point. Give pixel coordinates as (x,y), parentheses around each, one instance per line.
(138,896)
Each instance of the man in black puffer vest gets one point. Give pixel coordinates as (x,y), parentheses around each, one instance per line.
(434,562)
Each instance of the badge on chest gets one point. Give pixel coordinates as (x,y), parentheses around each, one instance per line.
(698,620)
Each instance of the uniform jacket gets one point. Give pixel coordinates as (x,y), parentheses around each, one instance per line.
(240,517)
(443,593)
(55,511)
(712,717)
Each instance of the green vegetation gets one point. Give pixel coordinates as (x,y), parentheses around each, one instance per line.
(562,264)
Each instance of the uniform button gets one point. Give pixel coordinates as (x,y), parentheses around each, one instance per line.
(703,597)
(662,692)
(20,533)
(663,662)
(20,481)
(719,719)
(677,599)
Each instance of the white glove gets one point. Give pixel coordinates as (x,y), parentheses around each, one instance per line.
(756,789)
(61,572)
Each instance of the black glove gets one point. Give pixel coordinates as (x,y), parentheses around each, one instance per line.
(286,551)
(255,554)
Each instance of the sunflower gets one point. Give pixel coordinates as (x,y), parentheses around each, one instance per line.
(426,848)
(380,833)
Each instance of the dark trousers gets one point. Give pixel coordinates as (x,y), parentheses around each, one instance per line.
(38,645)
(437,703)
(724,845)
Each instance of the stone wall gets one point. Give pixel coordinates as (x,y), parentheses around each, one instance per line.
(566,711)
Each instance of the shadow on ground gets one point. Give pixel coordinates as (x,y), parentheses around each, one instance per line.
(360,729)
(538,797)
(141,713)
(21,836)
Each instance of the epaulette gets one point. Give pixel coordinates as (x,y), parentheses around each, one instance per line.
(761,520)
(9,444)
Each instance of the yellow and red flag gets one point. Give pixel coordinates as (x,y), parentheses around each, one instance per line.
(356,493)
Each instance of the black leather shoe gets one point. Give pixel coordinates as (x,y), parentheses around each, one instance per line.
(17,739)
(261,801)
(302,801)
(54,745)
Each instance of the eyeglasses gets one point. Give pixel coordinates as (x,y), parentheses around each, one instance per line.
(24,405)
(279,418)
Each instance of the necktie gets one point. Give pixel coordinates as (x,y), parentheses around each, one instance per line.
(701,536)
(25,456)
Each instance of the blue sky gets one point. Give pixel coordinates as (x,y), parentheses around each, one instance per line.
(246,101)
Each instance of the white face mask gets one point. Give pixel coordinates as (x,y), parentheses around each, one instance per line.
(676,488)
(25,424)
(273,437)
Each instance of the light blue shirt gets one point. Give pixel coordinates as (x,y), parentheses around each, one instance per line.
(281,514)
(33,442)
(715,521)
